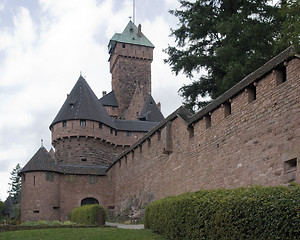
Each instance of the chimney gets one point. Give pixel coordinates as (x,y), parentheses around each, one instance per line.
(103,93)
(159,106)
(140,30)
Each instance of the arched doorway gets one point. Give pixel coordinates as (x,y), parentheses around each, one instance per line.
(88,201)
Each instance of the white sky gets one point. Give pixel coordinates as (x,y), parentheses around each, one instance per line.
(44,44)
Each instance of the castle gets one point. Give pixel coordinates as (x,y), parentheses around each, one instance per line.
(119,150)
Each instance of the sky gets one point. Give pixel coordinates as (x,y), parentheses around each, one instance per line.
(45,44)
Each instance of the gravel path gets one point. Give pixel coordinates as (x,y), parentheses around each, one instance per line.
(125,226)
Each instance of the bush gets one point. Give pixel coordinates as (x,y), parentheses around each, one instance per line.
(243,213)
(87,214)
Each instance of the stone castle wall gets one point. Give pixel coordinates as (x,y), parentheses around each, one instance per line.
(251,139)
(130,65)
(40,197)
(54,199)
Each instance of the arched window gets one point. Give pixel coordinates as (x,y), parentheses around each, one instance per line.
(88,201)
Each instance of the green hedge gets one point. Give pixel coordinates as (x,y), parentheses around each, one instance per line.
(243,213)
(87,214)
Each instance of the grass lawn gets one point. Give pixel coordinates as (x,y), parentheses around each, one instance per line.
(80,234)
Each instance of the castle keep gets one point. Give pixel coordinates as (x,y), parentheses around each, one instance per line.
(119,150)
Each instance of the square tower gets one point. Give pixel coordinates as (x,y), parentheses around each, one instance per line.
(131,55)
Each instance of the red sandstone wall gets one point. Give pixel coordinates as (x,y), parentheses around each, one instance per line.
(72,193)
(39,197)
(248,147)
(92,130)
(129,66)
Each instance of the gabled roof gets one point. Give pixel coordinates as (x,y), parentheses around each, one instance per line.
(150,111)
(134,125)
(82,103)
(41,161)
(129,35)
(109,100)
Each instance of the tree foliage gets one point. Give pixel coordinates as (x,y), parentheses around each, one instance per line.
(290,33)
(15,184)
(229,39)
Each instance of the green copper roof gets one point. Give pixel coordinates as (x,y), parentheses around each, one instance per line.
(130,35)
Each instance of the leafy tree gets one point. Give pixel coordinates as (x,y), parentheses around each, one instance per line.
(290,34)
(15,185)
(228,38)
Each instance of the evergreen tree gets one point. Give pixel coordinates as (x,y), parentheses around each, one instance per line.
(15,185)
(228,38)
(290,34)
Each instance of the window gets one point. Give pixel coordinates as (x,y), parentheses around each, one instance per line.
(168,147)
(207,121)
(49,176)
(227,108)
(290,165)
(82,122)
(111,131)
(92,179)
(83,159)
(116,133)
(64,123)
(290,170)
(100,125)
(191,131)
(71,178)
(280,75)
(71,106)
(128,134)
(158,135)
(36,211)
(251,93)
(24,177)
(56,207)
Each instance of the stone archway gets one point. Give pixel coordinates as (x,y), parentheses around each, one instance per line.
(88,201)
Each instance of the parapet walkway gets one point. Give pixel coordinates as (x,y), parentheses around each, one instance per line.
(125,226)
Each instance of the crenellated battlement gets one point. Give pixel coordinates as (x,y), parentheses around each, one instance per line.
(249,135)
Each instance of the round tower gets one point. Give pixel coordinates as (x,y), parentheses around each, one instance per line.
(81,131)
(40,191)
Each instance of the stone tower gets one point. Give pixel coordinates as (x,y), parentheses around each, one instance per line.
(131,54)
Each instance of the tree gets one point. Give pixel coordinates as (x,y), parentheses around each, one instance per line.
(228,38)
(15,185)
(290,34)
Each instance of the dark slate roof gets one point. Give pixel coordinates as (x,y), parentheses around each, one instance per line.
(109,100)
(82,103)
(83,169)
(134,125)
(41,161)
(129,35)
(150,111)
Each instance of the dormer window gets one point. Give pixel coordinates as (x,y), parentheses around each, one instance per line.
(71,106)
(82,122)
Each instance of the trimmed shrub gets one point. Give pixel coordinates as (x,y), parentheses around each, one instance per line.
(87,215)
(242,213)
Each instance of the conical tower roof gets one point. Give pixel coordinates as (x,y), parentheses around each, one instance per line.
(82,103)
(41,161)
